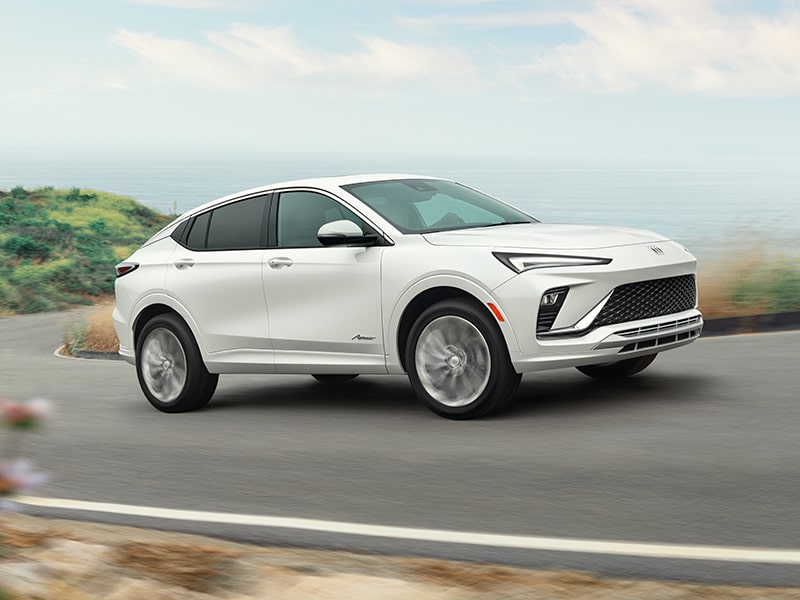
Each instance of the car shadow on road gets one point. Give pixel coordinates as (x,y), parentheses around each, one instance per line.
(377,393)
(551,394)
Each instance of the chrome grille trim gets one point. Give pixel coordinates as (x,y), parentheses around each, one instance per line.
(658,328)
(683,337)
(652,336)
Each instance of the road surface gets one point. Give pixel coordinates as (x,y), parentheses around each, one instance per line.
(700,450)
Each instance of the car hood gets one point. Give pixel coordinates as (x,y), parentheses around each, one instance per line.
(545,236)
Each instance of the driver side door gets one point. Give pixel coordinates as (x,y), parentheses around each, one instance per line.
(324,303)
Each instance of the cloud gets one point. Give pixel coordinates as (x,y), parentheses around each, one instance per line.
(192,4)
(686,46)
(247,56)
(483,21)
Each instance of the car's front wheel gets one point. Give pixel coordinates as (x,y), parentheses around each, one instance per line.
(169,366)
(619,369)
(458,362)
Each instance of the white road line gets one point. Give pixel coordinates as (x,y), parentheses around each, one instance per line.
(688,552)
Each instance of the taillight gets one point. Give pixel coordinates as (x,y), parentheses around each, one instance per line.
(124,268)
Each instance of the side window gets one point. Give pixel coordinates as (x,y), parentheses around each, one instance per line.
(237,226)
(301,214)
(196,240)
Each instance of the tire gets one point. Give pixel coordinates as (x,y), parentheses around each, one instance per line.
(457,361)
(169,367)
(620,369)
(333,378)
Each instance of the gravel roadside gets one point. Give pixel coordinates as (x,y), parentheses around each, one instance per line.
(48,559)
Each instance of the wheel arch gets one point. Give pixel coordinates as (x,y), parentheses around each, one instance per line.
(415,301)
(153,306)
(150,311)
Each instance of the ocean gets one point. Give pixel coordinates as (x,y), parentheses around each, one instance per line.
(710,206)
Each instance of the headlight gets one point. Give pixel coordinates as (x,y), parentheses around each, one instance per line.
(526,262)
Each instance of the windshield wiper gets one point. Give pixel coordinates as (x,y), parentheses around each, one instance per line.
(476,226)
(505,223)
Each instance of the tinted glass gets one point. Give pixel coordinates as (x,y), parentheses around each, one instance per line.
(301,214)
(237,226)
(428,205)
(197,235)
(177,234)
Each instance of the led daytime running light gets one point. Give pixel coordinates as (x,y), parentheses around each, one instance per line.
(526,262)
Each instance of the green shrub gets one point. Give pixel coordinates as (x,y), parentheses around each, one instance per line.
(9,297)
(35,303)
(24,246)
(59,248)
(772,285)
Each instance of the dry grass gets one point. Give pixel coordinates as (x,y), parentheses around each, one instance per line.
(494,581)
(95,332)
(749,281)
(717,281)
(145,562)
(192,566)
(480,577)
(14,537)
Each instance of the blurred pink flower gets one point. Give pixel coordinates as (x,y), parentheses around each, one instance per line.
(27,415)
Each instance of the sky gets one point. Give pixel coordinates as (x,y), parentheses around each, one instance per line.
(538,78)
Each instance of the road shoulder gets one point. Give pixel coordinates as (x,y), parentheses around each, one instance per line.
(71,559)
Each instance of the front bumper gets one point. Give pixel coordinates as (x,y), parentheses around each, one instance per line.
(613,343)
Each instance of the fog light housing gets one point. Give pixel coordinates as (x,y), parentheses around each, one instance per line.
(549,305)
(551,298)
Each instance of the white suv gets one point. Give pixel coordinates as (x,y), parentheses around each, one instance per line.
(395,274)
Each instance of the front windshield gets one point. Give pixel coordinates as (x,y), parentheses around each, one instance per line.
(428,205)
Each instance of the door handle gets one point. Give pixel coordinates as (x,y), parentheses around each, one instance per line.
(280,262)
(184,263)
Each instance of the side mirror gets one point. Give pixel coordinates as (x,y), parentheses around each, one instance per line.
(339,233)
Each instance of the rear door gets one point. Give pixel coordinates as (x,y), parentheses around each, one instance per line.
(216,274)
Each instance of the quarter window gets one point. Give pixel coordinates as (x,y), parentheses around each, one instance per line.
(196,240)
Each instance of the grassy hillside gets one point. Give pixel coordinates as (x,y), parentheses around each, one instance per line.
(59,247)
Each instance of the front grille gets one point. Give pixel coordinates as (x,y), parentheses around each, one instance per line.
(646,299)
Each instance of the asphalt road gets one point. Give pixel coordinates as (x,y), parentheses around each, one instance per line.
(700,449)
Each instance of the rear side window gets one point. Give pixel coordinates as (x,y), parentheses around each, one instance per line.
(236,226)
(197,234)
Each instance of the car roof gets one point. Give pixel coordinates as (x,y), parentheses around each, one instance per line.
(330,184)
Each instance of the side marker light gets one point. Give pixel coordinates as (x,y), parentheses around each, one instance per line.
(496,311)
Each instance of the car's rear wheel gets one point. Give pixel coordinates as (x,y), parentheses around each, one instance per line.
(458,362)
(169,366)
(619,369)
(333,378)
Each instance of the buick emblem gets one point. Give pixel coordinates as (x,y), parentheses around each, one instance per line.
(657,250)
